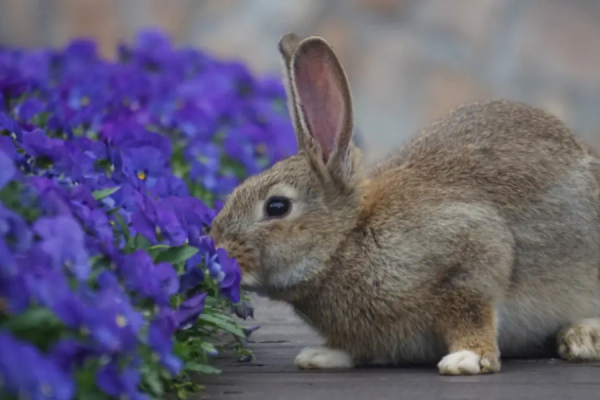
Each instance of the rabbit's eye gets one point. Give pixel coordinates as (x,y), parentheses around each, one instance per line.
(277,207)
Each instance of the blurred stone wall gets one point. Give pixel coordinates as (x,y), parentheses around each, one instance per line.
(409,61)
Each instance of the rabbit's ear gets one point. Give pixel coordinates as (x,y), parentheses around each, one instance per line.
(287,45)
(323,99)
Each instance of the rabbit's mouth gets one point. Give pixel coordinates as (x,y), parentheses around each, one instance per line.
(293,276)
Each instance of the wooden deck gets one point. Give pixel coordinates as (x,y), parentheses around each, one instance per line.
(272,374)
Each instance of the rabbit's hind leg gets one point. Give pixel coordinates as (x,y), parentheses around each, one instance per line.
(580,342)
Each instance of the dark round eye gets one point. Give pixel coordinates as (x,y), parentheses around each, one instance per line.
(277,206)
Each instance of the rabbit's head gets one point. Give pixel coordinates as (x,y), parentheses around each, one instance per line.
(285,223)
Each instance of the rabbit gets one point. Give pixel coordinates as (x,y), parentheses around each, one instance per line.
(479,237)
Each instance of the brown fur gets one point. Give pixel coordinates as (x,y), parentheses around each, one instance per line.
(491,213)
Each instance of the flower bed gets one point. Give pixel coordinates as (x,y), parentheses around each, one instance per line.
(109,174)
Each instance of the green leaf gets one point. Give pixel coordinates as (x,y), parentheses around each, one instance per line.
(198,191)
(183,388)
(87,389)
(105,164)
(34,318)
(100,194)
(181,350)
(40,119)
(219,323)
(37,325)
(43,162)
(151,378)
(208,347)
(159,247)
(205,369)
(230,166)
(123,225)
(141,242)
(223,317)
(176,255)
(156,250)
(4,394)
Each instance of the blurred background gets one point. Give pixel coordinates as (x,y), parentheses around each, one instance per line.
(409,61)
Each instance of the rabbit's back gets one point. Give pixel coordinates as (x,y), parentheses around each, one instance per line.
(502,151)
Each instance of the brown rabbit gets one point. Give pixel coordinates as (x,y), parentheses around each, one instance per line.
(480,237)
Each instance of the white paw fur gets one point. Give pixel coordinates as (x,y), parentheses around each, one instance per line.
(323,358)
(464,362)
(580,342)
(467,362)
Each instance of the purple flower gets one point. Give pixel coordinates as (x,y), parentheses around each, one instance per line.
(230,271)
(222,268)
(7,169)
(123,134)
(280,133)
(95,222)
(189,310)
(77,165)
(169,225)
(81,50)
(153,48)
(101,232)
(94,150)
(193,215)
(197,118)
(46,285)
(58,198)
(37,144)
(152,218)
(111,320)
(8,123)
(118,382)
(160,339)
(30,108)
(193,275)
(239,148)
(144,218)
(68,354)
(14,229)
(270,87)
(206,157)
(178,219)
(124,199)
(167,186)
(25,372)
(8,147)
(64,241)
(7,260)
(69,308)
(13,290)
(157,282)
(145,164)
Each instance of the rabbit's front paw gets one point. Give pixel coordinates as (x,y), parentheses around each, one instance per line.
(467,362)
(580,342)
(323,358)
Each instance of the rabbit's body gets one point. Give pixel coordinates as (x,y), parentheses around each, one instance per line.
(481,236)
(518,224)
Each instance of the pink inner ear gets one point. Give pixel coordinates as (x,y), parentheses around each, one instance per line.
(320,93)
